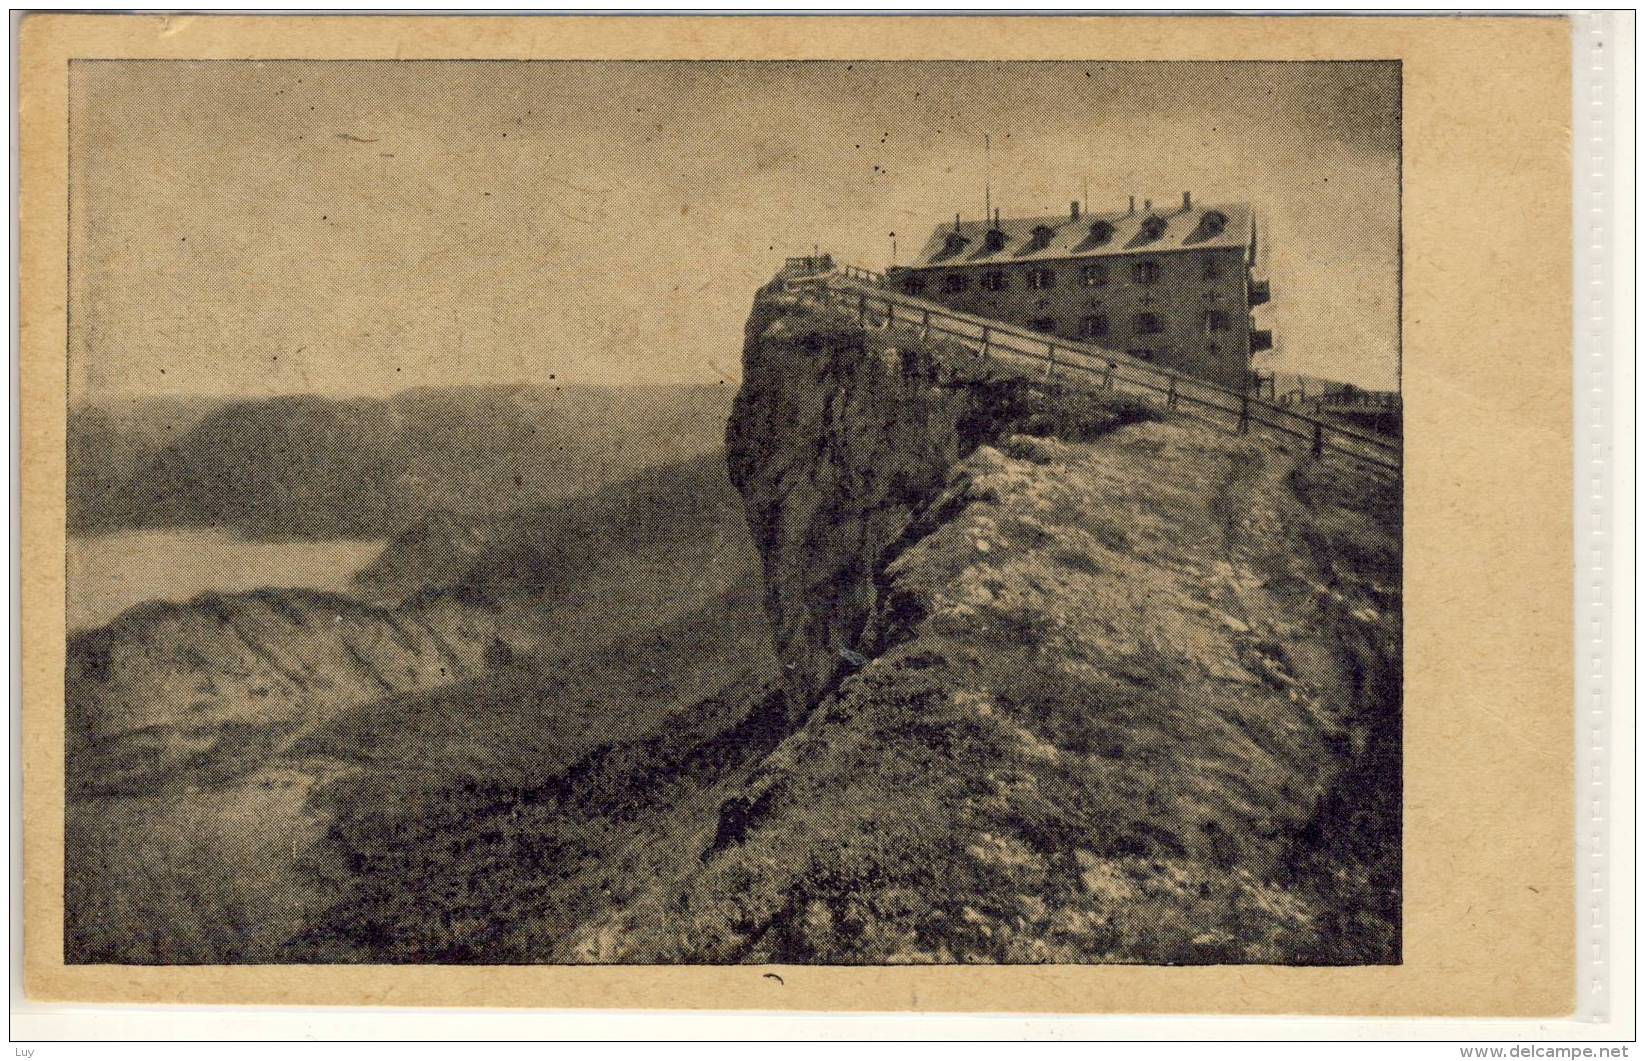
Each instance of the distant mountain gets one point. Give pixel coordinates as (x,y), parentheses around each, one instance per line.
(112,442)
(307,466)
(663,527)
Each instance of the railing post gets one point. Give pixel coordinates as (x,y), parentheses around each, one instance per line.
(925,326)
(1318,448)
(1171,394)
(1108,377)
(1050,360)
(984,351)
(1244,413)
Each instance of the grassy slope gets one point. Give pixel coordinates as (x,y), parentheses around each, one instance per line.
(1127,730)
(362,837)
(1128,700)
(198,858)
(494,846)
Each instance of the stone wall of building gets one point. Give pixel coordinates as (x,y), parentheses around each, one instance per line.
(1118,306)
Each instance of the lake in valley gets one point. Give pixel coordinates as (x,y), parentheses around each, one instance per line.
(109,573)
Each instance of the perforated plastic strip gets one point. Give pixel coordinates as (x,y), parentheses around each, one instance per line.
(1595,41)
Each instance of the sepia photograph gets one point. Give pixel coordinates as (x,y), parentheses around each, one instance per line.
(699,512)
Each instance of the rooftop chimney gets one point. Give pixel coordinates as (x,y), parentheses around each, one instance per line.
(1147,205)
(1074,209)
(956,222)
(996,217)
(1132,207)
(1187,202)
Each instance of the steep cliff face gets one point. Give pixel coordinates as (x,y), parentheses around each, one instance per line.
(1066,683)
(837,442)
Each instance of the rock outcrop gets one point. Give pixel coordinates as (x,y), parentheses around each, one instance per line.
(1067,681)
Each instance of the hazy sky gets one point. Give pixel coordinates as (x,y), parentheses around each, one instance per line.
(361,227)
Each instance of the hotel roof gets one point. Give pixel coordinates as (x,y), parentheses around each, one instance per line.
(1218,226)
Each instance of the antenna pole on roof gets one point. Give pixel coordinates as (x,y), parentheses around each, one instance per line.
(987,177)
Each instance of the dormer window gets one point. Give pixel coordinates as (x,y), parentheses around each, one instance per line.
(1153,227)
(1213,222)
(953,243)
(1101,232)
(994,241)
(1043,234)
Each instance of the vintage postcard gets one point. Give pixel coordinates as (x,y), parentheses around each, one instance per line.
(1027,514)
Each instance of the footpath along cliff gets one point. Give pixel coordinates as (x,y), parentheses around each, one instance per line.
(1065,681)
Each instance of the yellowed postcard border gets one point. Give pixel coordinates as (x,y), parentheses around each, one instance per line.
(1487,302)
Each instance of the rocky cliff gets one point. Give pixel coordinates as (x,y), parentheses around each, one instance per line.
(1066,681)
(1057,679)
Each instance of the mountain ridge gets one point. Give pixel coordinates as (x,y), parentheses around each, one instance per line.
(313,466)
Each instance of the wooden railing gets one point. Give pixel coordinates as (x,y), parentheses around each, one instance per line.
(1358,400)
(864,276)
(873,305)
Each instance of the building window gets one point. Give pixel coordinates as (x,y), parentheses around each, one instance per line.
(1042,236)
(954,283)
(1217,320)
(1141,353)
(1043,324)
(1094,275)
(1039,279)
(914,285)
(1094,326)
(1153,228)
(1149,324)
(993,281)
(1145,272)
(1213,266)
